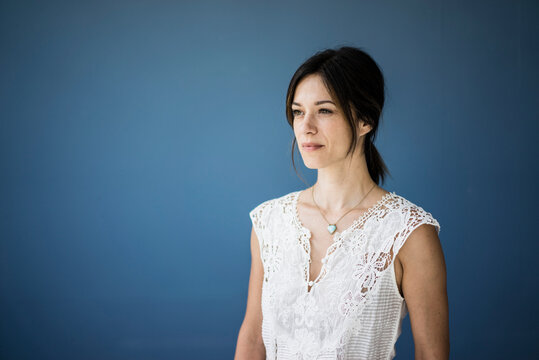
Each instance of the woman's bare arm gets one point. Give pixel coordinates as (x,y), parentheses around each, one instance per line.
(250,345)
(425,292)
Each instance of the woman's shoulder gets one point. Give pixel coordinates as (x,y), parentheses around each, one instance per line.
(413,214)
(279,201)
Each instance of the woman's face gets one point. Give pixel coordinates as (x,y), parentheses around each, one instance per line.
(318,120)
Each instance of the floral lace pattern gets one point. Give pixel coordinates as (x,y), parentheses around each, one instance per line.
(318,318)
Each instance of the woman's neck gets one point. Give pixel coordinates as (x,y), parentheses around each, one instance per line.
(340,188)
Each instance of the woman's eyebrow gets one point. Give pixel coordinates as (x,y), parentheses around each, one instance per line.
(317,103)
(324,101)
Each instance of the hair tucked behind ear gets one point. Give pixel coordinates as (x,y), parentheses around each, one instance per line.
(355,80)
(375,164)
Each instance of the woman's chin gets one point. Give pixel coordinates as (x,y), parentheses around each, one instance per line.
(313,165)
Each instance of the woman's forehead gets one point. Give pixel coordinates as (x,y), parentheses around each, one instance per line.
(311,89)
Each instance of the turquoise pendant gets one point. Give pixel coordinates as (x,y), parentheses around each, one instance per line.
(332,228)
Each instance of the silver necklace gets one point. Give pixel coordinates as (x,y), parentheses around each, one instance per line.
(333,227)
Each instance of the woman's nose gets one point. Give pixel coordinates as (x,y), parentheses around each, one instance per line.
(308,121)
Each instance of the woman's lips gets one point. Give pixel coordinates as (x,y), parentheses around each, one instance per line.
(312,147)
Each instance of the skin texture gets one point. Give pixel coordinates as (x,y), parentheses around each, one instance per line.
(250,344)
(342,182)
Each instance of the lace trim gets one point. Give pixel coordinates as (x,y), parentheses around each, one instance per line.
(337,237)
(269,250)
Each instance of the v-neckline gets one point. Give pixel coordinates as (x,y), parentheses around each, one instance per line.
(306,236)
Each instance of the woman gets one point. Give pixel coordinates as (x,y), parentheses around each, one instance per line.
(337,266)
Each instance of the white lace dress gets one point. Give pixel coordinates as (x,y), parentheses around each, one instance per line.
(353,309)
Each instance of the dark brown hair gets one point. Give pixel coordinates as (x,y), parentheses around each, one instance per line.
(357,84)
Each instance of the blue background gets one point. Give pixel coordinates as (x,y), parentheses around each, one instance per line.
(136,136)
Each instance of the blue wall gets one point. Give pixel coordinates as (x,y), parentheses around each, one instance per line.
(135,136)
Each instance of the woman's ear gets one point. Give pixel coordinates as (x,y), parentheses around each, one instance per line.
(363,128)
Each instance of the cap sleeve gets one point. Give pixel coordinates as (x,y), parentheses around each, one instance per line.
(414,216)
(258,217)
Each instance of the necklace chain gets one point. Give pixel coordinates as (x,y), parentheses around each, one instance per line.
(333,227)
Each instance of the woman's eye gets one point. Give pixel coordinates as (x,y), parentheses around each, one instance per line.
(297,112)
